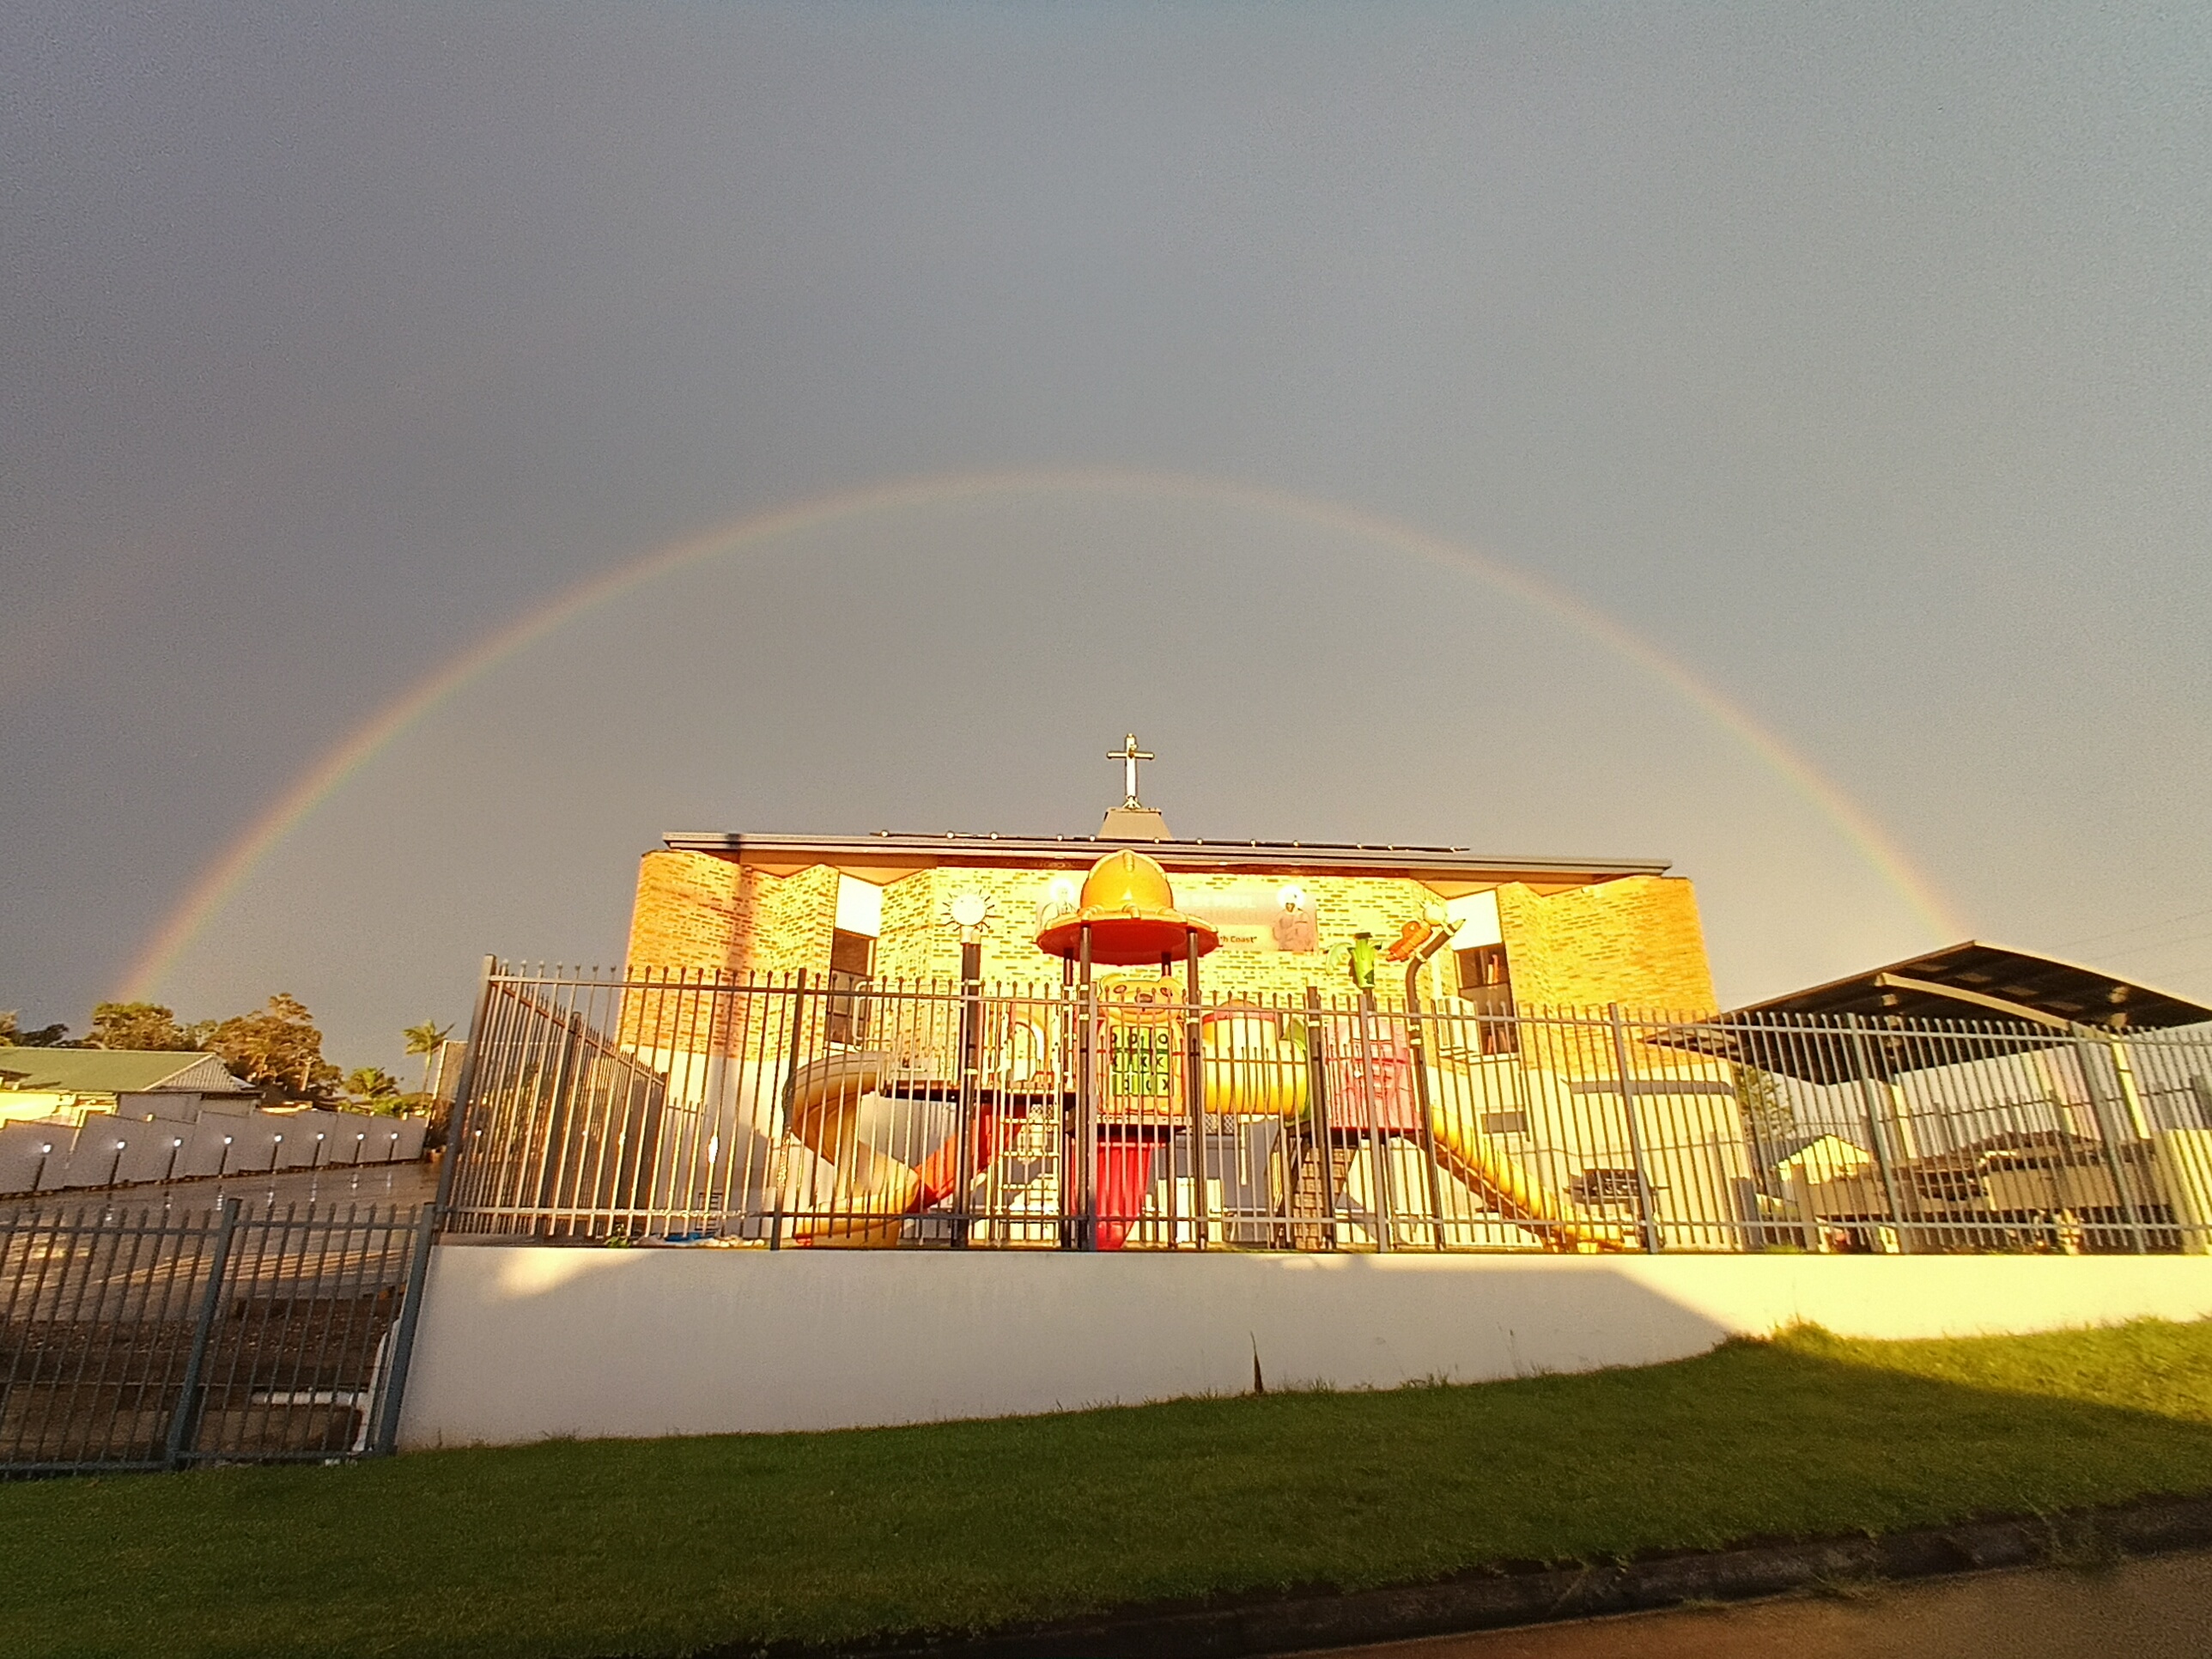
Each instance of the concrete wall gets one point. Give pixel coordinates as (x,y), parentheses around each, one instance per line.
(522,1342)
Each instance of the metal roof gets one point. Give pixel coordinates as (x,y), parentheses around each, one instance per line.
(114,1071)
(1975,980)
(1922,1012)
(921,852)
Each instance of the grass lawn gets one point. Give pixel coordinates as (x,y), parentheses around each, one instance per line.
(661,1546)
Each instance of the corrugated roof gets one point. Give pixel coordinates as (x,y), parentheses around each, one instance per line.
(113,1070)
(1912,1013)
(1974,980)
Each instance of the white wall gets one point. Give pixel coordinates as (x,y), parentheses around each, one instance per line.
(518,1343)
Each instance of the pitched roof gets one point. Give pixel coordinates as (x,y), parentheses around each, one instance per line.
(113,1070)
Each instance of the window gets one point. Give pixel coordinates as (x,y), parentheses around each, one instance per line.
(1600,1188)
(1486,980)
(852,962)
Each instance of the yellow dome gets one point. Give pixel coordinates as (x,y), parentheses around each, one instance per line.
(1129,910)
(1126,881)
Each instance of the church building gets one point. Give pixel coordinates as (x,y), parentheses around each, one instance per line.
(1528,932)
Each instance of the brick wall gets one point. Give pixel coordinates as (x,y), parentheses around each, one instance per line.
(1636,941)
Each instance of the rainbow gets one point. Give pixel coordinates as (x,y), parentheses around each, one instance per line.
(223,877)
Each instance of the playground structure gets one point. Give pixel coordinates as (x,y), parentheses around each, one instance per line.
(1121,1108)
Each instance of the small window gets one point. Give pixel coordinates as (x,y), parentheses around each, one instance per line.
(1599,1188)
(1486,980)
(1505,1123)
(852,962)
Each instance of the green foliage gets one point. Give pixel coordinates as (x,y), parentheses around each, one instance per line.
(146,1025)
(674,1545)
(278,1048)
(1767,1112)
(426,1039)
(13,1036)
(371,1085)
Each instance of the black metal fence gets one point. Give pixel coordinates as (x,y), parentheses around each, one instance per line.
(796,1112)
(159,1337)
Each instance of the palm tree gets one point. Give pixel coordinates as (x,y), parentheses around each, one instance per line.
(426,1039)
(372,1085)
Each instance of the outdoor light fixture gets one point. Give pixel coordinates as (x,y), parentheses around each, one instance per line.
(969,910)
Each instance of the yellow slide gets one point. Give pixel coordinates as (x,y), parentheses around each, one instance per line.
(1491,1173)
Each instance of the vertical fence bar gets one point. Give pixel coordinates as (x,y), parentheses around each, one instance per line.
(1865,1075)
(1647,1224)
(386,1435)
(464,1086)
(185,1414)
(2086,1044)
(1085,1149)
(1195,1089)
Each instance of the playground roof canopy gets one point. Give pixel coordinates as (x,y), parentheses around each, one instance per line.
(1945,994)
(1974,980)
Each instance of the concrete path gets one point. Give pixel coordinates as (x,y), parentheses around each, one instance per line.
(2148,1609)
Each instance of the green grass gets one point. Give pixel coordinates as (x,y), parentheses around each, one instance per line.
(662,1547)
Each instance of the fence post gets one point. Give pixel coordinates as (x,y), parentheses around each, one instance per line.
(183,1417)
(1646,1224)
(386,1431)
(457,1119)
(1862,1063)
(2086,1043)
(1194,1088)
(1417,1044)
(1318,1100)
(1087,1109)
(967,1096)
(1378,1138)
(789,1098)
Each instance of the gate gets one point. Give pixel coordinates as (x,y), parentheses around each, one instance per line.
(163,1337)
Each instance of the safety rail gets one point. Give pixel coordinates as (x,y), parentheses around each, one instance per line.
(798,1111)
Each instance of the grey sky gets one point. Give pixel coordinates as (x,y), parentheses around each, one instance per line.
(1858,358)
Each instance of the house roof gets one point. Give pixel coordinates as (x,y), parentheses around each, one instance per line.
(113,1070)
(892,855)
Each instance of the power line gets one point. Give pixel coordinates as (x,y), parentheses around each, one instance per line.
(2139,927)
(2163,944)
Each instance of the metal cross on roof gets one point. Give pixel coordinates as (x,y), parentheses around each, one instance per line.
(1128,754)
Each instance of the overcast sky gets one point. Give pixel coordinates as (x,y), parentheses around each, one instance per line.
(1860,360)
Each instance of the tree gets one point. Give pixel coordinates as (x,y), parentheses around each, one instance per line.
(278,1048)
(426,1039)
(12,1036)
(372,1085)
(1767,1112)
(140,1025)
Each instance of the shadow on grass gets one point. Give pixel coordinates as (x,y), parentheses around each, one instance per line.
(661,1546)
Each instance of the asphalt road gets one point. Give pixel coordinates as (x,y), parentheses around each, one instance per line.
(2160,1608)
